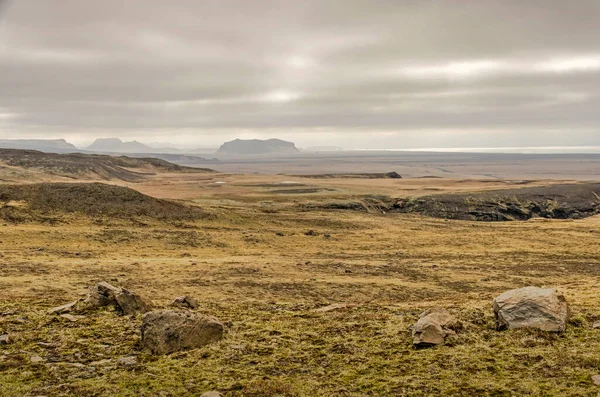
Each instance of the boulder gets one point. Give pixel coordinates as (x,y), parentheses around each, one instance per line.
(596,380)
(168,331)
(102,294)
(4,339)
(531,307)
(131,303)
(596,325)
(128,302)
(433,327)
(185,301)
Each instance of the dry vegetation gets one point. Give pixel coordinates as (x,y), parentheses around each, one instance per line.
(262,264)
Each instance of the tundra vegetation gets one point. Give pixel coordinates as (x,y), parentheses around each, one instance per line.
(310,298)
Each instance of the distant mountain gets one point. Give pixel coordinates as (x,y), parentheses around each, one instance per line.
(115,145)
(43,145)
(257,146)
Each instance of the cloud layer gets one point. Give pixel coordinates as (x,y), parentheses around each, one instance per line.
(355,73)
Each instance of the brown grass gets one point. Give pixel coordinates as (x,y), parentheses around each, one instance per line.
(263,274)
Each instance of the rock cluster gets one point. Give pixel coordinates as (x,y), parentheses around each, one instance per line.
(529,307)
(128,302)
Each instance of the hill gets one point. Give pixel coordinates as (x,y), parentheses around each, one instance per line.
(257,146)
(90,166)
(43,145)
(19,203)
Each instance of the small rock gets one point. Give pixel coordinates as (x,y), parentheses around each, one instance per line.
(433,327)
(69,307)
(45,344)
(130,361)
(531,307)
(185,301)
(596,380)
(211,394)
(596,324)
(4,339)
(101,363)
(69,317)
(347,271)
(37,359)
(168,331)
(335,306)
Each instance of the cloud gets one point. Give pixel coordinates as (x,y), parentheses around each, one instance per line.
(311,71)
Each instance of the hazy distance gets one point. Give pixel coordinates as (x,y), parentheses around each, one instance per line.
(357,74)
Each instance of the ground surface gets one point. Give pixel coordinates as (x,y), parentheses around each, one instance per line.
(262,263)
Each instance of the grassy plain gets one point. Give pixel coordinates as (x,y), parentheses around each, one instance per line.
(262,264)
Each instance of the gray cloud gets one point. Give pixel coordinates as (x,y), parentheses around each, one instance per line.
(382,73)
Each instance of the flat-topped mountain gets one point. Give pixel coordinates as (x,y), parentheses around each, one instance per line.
(43,145)
(116,145)
(257,146)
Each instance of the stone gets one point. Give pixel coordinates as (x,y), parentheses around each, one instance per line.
(36,359)
(433,326)
(100,363)
(131,303)
(596,380)
(69,317)
(129,362)
(168,331)
(68,308)
(4,339)
(128,302)
(596,325)
(531,307)
(185,301)
(330,308)
(211,394)
(102,294)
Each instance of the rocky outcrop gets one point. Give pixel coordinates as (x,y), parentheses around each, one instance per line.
(531,307)
(128,302)
(169,331)
(433,327)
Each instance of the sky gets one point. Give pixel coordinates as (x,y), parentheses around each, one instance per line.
(360,74)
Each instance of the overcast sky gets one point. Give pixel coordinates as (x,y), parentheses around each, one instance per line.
(357,74)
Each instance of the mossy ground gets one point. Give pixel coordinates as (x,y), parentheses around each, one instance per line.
(263,274)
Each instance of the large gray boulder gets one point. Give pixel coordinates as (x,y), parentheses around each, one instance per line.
(128,302)
(169,331)
(532,307)
(433,327)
